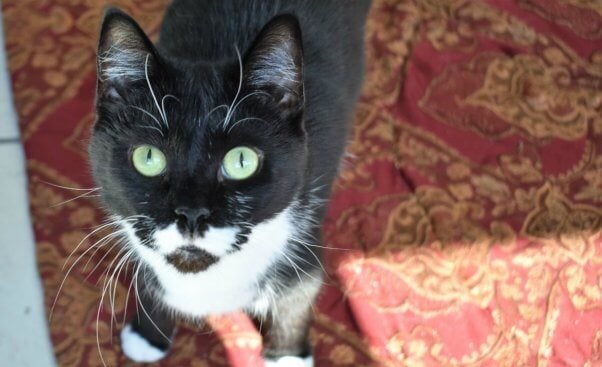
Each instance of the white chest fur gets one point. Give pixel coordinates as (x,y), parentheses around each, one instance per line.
(231,283)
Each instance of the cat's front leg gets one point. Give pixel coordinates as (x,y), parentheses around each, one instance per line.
(286,327)
(148,337)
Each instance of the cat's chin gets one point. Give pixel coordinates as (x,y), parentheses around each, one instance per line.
(191,259)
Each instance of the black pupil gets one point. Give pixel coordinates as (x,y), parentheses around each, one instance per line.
(241,158)
(149,156)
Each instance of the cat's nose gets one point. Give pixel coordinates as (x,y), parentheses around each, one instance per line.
(192,215)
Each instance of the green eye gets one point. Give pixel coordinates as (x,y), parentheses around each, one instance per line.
(240,163)
(148,160)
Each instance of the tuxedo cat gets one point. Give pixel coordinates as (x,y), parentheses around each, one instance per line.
(215,150)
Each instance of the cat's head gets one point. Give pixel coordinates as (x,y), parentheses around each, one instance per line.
(192,157)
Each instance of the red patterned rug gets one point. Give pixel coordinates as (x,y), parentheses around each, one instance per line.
(465,228)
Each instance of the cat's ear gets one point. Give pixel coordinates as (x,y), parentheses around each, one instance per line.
(125,54)
(274,64)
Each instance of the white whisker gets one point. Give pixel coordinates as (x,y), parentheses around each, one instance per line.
(100,304)
(247,96)
(240,77)
(296,268)
(150,87)
(114,279)
(69,188)
(153,128)
(84,195)
(243,120)
(107,284)
(67,274)
(112,222)
(155,119)
(127,296)
(97,332)
(144,310)
(215,109)
(107,253)
(163,104)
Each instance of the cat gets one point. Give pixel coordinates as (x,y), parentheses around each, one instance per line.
(215,151)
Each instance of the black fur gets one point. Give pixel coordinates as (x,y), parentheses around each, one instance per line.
(298,124)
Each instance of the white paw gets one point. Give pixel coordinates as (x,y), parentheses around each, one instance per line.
(138,349)
(289,361)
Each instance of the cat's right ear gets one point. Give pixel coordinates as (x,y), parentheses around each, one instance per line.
(125,55)
(274,64)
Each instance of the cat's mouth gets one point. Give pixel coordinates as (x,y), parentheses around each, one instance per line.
(191,259)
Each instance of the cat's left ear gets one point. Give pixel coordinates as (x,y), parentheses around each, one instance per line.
(125,54)
(274,64)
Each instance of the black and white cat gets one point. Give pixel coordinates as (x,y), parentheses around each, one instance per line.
(215,151)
